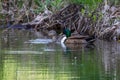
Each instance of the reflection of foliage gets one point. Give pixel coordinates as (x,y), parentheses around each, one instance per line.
(54,66)
(9,69)
(1,65)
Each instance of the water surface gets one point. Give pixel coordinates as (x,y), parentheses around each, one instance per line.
(49,61)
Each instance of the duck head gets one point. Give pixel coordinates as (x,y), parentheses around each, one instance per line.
(67,32)
(52,34)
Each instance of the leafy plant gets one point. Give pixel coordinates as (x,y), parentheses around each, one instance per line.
(40,6)
(51,4)
(89,4)
(56,4)
(20,3)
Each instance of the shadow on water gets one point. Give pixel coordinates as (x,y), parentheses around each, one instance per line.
(28,61)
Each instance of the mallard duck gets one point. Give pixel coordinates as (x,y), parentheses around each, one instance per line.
(77,39)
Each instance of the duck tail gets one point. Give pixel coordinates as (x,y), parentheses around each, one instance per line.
(91,39)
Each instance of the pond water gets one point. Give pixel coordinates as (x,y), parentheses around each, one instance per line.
(22,58)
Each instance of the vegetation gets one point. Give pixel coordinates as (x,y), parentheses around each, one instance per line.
(12,9)
(92,13)
(27,10)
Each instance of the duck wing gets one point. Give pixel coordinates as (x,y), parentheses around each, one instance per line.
(78,37)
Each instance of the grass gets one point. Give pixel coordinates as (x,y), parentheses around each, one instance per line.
(89,4)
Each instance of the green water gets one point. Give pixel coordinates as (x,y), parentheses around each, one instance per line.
(25,61)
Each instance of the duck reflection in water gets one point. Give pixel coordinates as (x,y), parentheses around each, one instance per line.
(68,48)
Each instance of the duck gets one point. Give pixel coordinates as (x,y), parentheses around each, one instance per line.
(68,38)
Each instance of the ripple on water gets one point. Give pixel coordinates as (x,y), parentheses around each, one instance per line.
(40,41)
(23,52)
